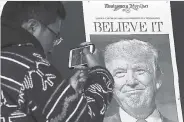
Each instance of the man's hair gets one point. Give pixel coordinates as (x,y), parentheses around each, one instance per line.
(43,11)
(131,49)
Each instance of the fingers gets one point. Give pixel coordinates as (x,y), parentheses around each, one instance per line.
(96,52)
(78,78)
(86,51)
(91,61)
(80,75)
(75,76)
(82,79)
(88,43)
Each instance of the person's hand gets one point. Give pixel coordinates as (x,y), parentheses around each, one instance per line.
(92,59)
(77,80)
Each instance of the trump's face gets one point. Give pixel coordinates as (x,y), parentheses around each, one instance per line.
(134,78)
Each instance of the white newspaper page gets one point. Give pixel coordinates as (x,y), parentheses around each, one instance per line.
(135,43)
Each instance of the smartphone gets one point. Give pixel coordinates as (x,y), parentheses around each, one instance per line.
(77,57)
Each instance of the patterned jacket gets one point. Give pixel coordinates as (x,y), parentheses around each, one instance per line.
(32,90)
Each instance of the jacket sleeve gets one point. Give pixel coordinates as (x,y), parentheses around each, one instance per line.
(38,93)
(86,107)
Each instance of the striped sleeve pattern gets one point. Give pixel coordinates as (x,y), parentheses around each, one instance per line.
(55,100)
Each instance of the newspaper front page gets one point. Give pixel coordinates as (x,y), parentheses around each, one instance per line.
(126,35)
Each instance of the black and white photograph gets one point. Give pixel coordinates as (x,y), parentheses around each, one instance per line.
(91,61)
(135,43)
(142,70)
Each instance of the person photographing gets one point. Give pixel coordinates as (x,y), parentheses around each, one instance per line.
(32,90)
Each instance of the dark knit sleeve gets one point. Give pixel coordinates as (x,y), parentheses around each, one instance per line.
(86,107)
(33,90)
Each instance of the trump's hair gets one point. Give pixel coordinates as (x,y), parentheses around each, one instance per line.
(126,48)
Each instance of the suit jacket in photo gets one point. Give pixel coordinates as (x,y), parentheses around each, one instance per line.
(114,115)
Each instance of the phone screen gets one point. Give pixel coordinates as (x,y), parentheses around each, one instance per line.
(77,56)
